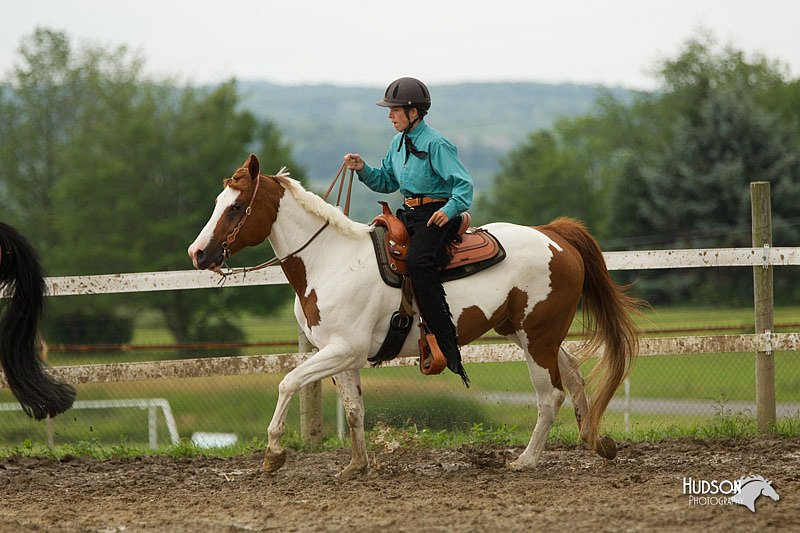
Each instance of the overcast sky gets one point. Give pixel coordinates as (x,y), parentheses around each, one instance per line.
(360,42)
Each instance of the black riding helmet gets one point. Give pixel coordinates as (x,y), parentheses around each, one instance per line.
(407,92)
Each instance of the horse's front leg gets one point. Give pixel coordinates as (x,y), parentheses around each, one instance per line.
(330,360)
(349,384)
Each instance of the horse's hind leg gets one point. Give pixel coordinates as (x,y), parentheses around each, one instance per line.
(572,379)
(349,384)
(548,401)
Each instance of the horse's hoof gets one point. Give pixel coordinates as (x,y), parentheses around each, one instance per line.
(273,461)
(351,472)
(606,447)
(519,466)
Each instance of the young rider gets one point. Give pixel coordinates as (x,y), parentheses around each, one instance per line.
(424,166)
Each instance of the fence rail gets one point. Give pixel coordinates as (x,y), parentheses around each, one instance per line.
(200,279)
(481,353)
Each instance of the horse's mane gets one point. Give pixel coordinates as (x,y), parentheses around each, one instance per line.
(316,205)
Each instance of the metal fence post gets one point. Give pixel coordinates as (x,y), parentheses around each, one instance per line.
(310,402)
(762,292)
(152,426)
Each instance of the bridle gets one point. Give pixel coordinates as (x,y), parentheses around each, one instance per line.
(231,238)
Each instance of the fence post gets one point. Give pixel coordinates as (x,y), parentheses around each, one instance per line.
(762,292)
(310,403)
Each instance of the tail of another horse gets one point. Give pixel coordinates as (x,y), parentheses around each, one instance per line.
(20,272)
(607,318)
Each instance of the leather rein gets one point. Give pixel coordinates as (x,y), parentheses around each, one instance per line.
(231,238)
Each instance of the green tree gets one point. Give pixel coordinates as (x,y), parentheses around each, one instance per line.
(692,189)
(671,169)
(126,178)
(569,170)
(536,181)
(38,114)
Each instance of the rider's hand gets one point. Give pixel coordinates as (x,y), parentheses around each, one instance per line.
(353,162)
(439,218)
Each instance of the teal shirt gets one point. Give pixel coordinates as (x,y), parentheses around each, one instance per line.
(439,175)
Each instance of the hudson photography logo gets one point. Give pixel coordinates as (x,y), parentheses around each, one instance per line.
(743,491)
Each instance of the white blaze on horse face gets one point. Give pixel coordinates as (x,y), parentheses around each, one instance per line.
(224,200)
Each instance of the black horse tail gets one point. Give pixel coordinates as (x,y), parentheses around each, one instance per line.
(21,273)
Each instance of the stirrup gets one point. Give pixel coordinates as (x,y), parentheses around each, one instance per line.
(431,359)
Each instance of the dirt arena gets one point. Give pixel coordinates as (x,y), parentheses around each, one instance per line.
(409,489)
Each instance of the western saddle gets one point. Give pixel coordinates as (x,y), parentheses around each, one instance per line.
(471,245)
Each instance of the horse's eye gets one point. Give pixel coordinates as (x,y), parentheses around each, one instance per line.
(235,207)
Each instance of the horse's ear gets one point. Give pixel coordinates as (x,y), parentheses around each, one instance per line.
(253,166)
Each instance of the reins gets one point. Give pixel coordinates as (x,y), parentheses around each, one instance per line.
(340,175)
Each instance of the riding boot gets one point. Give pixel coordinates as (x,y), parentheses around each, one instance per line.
(440,324)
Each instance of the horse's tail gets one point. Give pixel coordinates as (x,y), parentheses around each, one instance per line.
(607,310)
(20,271)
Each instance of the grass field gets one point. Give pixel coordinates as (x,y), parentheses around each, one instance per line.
(401,397)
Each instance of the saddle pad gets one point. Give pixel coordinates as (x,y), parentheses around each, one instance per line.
(393,279)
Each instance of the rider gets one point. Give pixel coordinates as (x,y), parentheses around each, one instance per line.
(425,167)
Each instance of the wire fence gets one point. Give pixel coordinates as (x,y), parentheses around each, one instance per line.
(676,393)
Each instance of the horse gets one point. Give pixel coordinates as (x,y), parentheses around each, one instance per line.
(750,488)
(343,306)
(21,273)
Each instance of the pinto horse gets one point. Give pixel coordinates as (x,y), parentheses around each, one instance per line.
(20,271)
(344,307)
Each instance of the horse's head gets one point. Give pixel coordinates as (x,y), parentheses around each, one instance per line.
(243,216)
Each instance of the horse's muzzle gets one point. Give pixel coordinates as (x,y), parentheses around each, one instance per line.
(206,261)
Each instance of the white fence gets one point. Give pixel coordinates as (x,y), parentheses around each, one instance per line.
(761,257)
(203,279)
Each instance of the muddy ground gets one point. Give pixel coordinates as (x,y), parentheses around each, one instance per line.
(408,489)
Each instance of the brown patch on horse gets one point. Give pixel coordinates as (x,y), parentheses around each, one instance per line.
(264,211)
(547,325)
(549,322)
(472,323)
(295,271)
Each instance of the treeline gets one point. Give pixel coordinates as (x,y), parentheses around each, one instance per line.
(671,169)
(484,120)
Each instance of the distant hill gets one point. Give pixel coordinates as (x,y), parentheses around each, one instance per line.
(485,120)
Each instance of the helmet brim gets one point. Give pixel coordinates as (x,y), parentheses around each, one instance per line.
(392,103)
(398,103)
